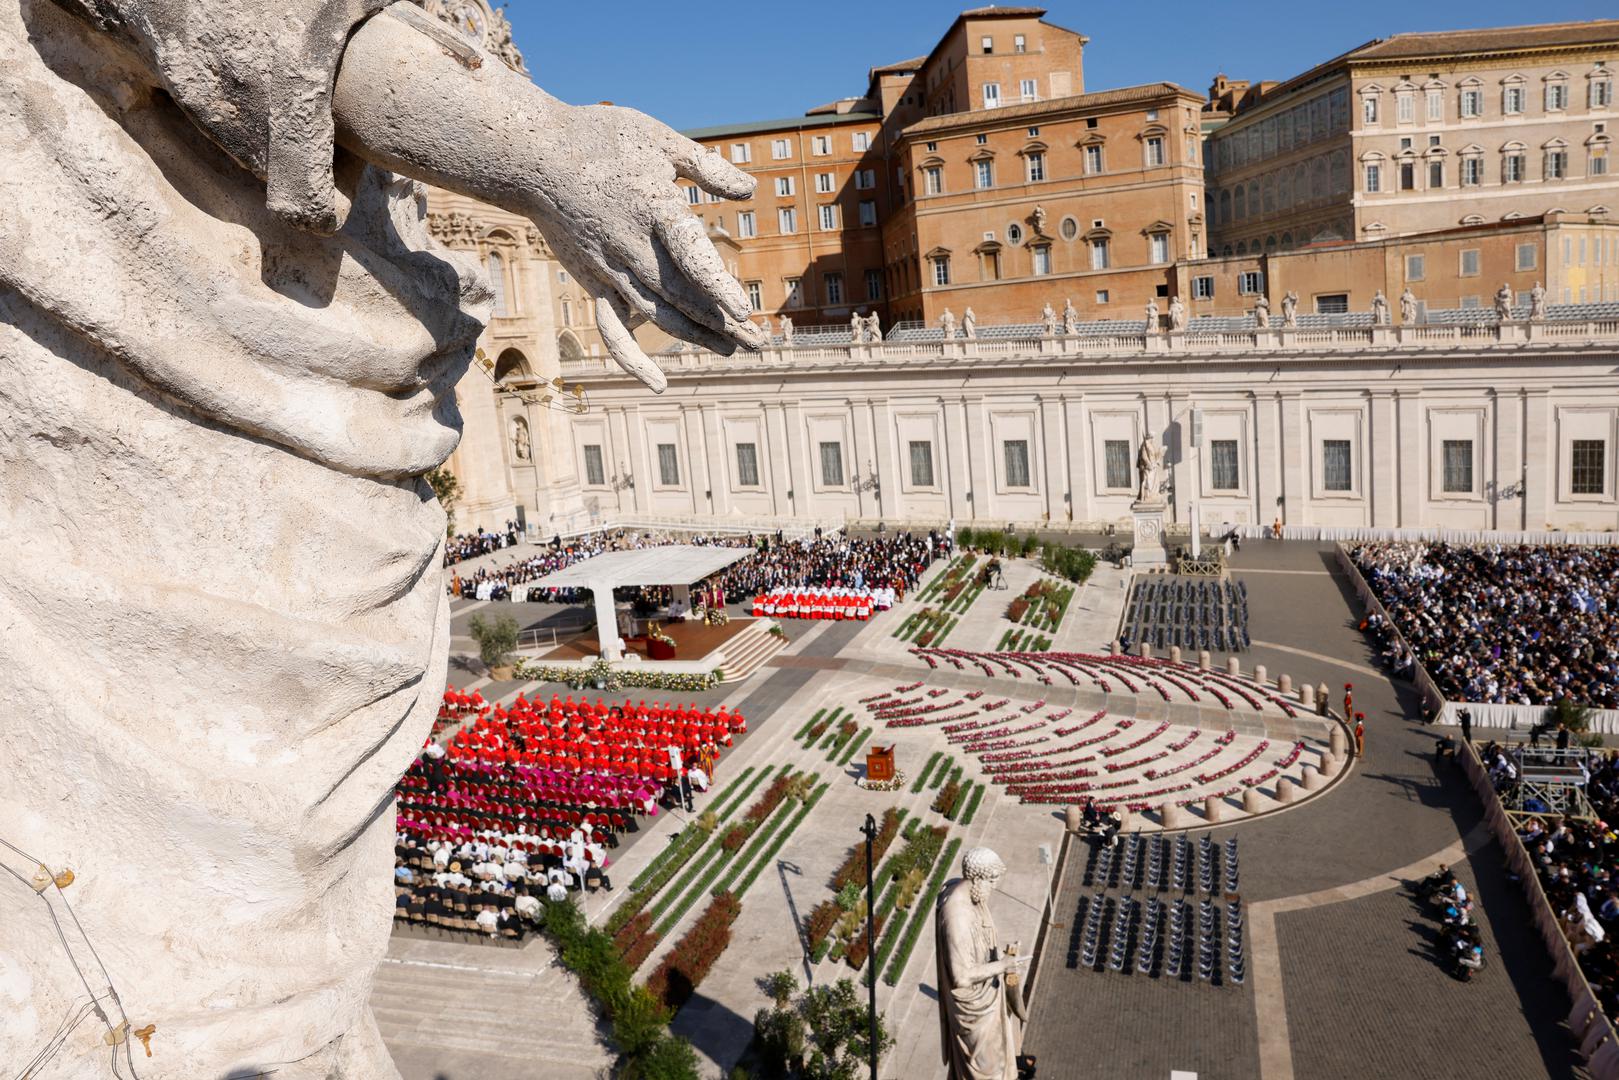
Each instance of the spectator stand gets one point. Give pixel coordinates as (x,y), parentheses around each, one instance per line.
(1590,1027)
(1441,709)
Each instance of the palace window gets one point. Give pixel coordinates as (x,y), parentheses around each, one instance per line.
(1093,160)
(1336,472)
(1223,465)
(1512,169)
(821,145)
(1436,105)
(747,464)
(1155,151)
(1588,467)
(747,225)
(1556,166)
(1512,100)
(941,270)
(1472,102)
(1374,179)
(834,288)
(784,186)
(1250,282)
(1556,96)
(1368,109)
(1472,171)
(933,180)
(595,471)
(992,95)
(1526,256)
(828,217)
(832,464)
(787,220)
(1600,93)
(668,465)
(1037,167)
(1099,254)
(694,195)
(756,292)
(741,153)
(781,149)
(1457,462)
(1470,263)
(1016,455)
(865,179)
(868,212)
(860,141)
(1116,463)
(1158,248)
(1203,288)
(874,284)
(1436,175)
(1042,259)
(497,279)
(921,464)
(795,292)
(824,183)
(1030,89)
(1415,267)
(984,174)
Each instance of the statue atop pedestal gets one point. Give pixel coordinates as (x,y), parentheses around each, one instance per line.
(1150,508)
(1150,471)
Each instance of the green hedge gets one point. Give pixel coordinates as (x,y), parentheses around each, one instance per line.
(943,771)
(781,838)
(854,746)
(972,806)
(916,785)
(803,731)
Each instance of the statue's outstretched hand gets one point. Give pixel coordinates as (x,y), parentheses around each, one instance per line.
(618,223)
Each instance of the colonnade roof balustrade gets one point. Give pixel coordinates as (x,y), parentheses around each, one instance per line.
(1470,329)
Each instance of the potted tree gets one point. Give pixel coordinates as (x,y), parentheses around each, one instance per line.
(496,639)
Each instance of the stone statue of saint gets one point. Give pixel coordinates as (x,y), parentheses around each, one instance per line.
(1177,314)
(786,330)
(1070,318)
(228,351)
(1503,303)
(857,328)
(1152,315)
(764,325)
(1408,307)
(520,443)
(1290,309)
(1262,312)
(1048,319)
(1150,469)
(947,323)
(874,327)
(1537,302)
(981,1009)
(1038,220)
(969,325)
(1380,308)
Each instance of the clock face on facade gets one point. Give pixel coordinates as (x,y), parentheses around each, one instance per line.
(471,21)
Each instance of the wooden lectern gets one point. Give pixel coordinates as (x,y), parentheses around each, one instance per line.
(880,763)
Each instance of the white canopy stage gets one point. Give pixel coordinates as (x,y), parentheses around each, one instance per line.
(679,565)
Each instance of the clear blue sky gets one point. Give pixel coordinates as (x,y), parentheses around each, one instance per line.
(697,62)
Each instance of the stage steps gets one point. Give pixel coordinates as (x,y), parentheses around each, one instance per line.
(748,651)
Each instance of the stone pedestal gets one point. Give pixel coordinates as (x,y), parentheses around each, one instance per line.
(1307,696)
(1149,550)
(1260,674)
(1336,741)
(1144,650)
(1204,661)
(1213,808)
(1252,801)
(1284,790)
(1233,666)
(1073,817)
(1329,764)
(1284,684)
(1175,654)
(1171,816)
(1312,778)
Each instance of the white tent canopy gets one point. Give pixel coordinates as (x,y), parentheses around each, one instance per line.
(676,564)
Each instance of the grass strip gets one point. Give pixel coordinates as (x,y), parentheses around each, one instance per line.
(684,838)
(939,777)
(972,805)
(743,796)
(703,860)
(916,785)
(925,903)
(803,731)
(854,745)
(775,846)
(761,837)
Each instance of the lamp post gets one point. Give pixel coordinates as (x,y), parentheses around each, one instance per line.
(870,831)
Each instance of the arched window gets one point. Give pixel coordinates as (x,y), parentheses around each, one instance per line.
(1287,241)
(1242,202)
(497,281)
(568,348)
(1225,207)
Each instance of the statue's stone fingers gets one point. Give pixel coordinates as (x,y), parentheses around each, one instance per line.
(683,238)
(622,347)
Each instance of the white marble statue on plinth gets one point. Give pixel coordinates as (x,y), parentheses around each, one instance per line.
(1150,508)
(981,1010)
(228,348)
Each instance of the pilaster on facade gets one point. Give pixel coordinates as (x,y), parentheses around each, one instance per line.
(1291,449)
(1411,456)
(800,493)
(885,457)
(1540,452)
(1078,471)
(1054,442)
(719,484)
(1382,459)
(776,437)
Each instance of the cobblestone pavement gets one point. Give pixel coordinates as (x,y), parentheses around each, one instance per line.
(1358,995)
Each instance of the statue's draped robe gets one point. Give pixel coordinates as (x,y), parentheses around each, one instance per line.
(222,626)
(980,1035)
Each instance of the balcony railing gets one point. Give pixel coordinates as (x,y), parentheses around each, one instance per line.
(1125,339)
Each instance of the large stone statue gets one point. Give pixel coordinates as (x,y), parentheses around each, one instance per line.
(857,328)
(1070,318)
(1537,302)
(1177,314)
(947,323)
(1380,309)
(981,1009)
(1290,310)
(1261,312)
(1152,315)
(228,345)
(786,330)
(874,327)
(1150,470)
(1048,319)
(969,324)
(1503,303)
(1408,307)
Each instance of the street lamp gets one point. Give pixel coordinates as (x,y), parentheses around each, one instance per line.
(870,831)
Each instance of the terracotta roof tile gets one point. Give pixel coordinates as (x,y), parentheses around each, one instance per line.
(1098,100)
(1496,39)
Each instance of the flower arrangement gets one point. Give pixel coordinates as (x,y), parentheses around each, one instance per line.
(716,616)
(894,784)
(603,676)
(654,634)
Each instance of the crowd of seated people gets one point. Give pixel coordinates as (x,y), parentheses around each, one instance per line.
(527,799)
(1577,861)
(464,546)
(1460,947)
(1518,624)
(883,568)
